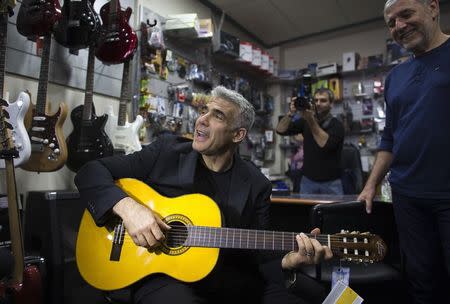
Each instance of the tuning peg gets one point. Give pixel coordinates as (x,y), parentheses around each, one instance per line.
(3,102)
(344,231)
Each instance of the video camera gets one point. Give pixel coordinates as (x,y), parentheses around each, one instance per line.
(304,98)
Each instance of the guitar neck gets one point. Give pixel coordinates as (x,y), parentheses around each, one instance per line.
(3,39)
(113,11)
(213,237)
(124,94)
(14,222)
(88,95)
(41,98)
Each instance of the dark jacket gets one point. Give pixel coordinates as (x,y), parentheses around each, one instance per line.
(168,165)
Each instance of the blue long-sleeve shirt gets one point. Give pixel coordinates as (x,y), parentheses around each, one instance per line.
(417,130)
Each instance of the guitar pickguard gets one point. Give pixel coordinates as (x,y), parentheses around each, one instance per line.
(125,137)
(48,148)
(17,112)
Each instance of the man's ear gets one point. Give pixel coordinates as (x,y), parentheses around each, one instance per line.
(434,7)
(239,135)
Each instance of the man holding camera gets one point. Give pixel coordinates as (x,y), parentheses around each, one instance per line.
(323,140)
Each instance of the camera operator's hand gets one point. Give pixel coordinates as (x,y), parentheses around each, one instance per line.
(292,109)
(309,115)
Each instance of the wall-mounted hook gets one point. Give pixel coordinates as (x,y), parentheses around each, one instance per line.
(151,24)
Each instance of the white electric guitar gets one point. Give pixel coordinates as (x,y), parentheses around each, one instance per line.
(18,109)
(124,135)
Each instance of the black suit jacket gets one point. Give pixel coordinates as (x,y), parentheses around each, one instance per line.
(168,165)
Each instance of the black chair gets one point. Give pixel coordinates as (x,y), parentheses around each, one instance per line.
(352,173)
(371,281)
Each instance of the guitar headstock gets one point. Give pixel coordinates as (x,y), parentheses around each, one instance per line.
(7,148)
(358,247)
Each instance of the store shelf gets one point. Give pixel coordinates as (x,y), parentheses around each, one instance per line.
(234,65)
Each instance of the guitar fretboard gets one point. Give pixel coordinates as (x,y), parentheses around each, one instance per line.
(41,98)
(124,94)
(3,39)
(199,236)
(88,95)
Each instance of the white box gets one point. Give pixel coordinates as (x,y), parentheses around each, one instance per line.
(245,51)
(349,61)
(256,59)
(265,61)
(271,64)
(183,25)
(326,69)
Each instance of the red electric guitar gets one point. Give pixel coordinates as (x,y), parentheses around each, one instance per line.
(37,17)
(117,41)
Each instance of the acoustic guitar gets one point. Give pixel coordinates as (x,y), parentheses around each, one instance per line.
(88,140)
(18,109)
(79,25)
(25,286)
(124,135)
(108,259)
(117,41)
(48,147)
(37,17)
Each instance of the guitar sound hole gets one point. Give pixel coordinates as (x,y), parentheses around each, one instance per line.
(177,235)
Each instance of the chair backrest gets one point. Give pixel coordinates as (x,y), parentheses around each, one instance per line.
(352,216)
(352,173)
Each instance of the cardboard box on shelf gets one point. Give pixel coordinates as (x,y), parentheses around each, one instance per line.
(335,85)
(350,61)
(205,28)
(185,25)
(326,69)
(245,51)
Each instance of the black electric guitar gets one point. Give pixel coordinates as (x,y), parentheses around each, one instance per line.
(78,26)
(88,140)
(25,285)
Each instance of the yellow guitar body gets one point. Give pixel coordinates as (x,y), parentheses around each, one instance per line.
(189,264)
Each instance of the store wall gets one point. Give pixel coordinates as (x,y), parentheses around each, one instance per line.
(366,40)
(73,94)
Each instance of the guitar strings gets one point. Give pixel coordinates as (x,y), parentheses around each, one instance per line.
(179,233)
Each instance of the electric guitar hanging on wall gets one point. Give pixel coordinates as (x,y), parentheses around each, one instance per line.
(18,109)
(108,259)
(79,25)
(37,17)
(25,286)
(48,148)
(88,140)
(124,135)
(117,41)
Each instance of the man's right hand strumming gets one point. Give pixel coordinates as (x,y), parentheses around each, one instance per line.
(145,228)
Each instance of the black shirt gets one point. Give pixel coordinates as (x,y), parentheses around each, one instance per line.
(320,164)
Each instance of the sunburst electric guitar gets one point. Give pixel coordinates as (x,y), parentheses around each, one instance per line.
(48,147)
(124,135)
(108,259)
(18,109)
